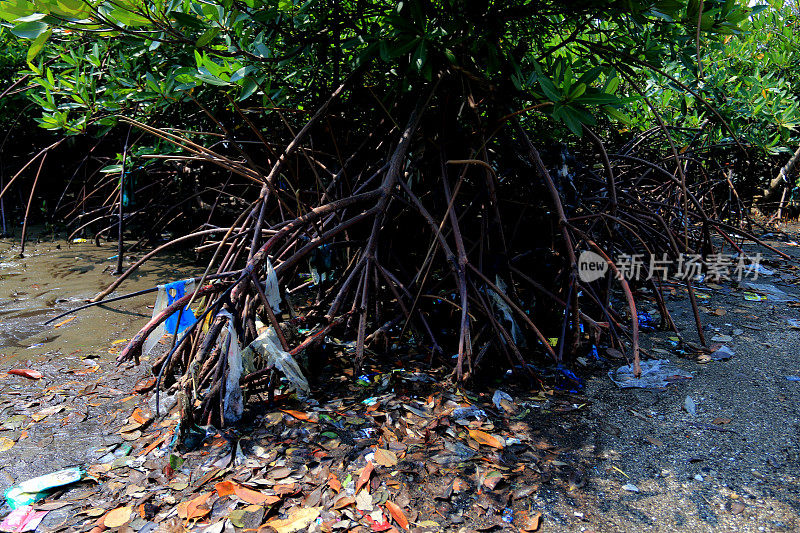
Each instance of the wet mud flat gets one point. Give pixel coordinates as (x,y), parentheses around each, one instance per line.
(397,448)
(65,417)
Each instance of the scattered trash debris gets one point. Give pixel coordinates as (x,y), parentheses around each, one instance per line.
(463,413)
(21,519)
(793,378)
(690,406)
(268,346)
(646,322)
(630,487)
(272,290)
(770,292)
(35,489)
(500,396)
(794,323)
(723,353)
(656,374)
(233,402)
(167,295)
(505,311)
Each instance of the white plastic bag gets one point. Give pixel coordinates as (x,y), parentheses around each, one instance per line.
(233,401)
(272,290)
(268,346)
(505,310)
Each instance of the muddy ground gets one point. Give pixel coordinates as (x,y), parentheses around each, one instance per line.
(372,453)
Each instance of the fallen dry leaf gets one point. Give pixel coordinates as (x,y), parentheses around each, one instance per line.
(139,417)
(397,513)
(652,440)
(344,501)
(385,458)
(481,437)
(334,483)
(300,415)
(299,518)
(492,479)
(721,421)
(70,319)
(194,508)
(226,488)
(47,411)
(5,444)
(26,373)
(363,478)
(532,521)
(144,385)
(118,517)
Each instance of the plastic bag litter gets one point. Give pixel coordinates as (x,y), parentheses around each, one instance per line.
(167,295)
(468,412)
(38,488)
(772,292)
(272,290)
(268,346)
(690,406)
(656,374)
(722,354)
(499,396)
(646,322)
(793,323)
(757,269)
(320,264)
(233,401)
(21,519)
(504,309)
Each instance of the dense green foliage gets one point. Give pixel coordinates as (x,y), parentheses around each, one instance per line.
(90,61)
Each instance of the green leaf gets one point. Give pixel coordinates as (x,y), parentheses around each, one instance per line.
(31,18)
(37,45)
(207,36)
(29,30)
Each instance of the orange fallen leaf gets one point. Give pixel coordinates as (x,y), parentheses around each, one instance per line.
(298,519)
(26,373)
(481,437)
(153,445)
(70,319)
(385,458)
(226,488)
(194,508)
(126,399)
(138,416)
(363,478)
(532,522)
(343,502)
(300,415)
(397,513)
(144,385)
(334,483)
(118,517)
(6,444)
